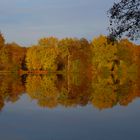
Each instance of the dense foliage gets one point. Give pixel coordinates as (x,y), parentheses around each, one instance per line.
(68,55)
(100,72)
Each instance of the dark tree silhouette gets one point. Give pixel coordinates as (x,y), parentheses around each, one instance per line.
(125,19)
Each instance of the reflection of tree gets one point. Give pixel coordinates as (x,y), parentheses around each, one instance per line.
(10,89)
(126,93)
(77,92)
(104,91)
(107,92)
(104,95)
(73,90)
(50,91)
(43,89)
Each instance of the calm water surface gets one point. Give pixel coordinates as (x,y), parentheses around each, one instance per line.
(63,110)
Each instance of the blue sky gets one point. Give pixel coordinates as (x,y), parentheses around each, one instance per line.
(25,21)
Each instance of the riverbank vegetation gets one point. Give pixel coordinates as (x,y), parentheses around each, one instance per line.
(71,72)
(70,55)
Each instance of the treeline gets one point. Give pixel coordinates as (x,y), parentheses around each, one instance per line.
(12,56)
(71,55)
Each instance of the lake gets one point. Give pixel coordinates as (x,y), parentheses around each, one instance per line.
(69,107)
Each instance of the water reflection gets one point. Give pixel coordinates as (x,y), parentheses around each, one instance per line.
(102,91)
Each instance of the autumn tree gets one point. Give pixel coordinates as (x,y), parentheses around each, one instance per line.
(16,55)
(33,58)
(125,19)
(2,40)
(104,53)
(11,55)
(73,49)
(48,42)
(65,46)
(4,59)
(125,51)
(41,58)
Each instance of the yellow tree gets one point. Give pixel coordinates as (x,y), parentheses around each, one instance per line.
(33,58)
(104,52)
(68,50)
(126,51)
(48,42)
(49,53)
(49,58)
(41,58)
(5,63)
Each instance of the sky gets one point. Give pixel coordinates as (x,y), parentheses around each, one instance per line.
(25,21)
